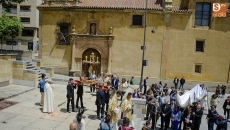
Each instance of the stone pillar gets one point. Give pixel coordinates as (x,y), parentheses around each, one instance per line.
(165,46)
(73,62)
(73,65)
(78,62)
(110,57)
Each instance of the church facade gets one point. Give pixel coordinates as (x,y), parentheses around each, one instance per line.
(78,37)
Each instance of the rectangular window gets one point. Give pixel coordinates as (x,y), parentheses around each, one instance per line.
(28,32)
(10,9)
(8,42)
(198,68)
(25,8)
(199,46)
(63,35)
(137,20)
(202,14)
(25,20)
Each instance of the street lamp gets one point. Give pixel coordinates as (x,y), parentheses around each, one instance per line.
(144,62)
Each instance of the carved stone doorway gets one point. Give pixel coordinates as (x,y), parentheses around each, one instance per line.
(91,61)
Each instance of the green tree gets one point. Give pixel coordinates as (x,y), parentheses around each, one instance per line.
(3,20)
(9,3)
(13,27)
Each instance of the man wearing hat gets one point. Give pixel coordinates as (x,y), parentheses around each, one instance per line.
(212,117)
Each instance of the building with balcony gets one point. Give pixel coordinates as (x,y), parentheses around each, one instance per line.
(28,13)
(78,37)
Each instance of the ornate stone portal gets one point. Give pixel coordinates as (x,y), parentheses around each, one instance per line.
(91,38)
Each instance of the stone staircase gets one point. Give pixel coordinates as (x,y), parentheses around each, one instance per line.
(32,66)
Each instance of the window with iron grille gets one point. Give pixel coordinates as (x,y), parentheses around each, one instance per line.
(9,42)
(198,68)
(28,32)
(202,15)
(25,8)
(25,20)
(63,33)
(199,46)
(137,20)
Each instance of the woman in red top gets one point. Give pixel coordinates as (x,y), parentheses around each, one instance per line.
(226,107)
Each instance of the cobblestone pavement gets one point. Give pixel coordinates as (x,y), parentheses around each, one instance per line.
(27,114)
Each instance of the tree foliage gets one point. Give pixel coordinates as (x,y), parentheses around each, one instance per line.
(9,27)
(7,4)
(13,26)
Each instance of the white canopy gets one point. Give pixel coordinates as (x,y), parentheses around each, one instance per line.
(193,95)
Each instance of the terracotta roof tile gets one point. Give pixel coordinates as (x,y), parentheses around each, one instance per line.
(118,4)
(179,9)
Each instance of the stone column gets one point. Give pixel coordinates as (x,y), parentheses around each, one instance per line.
(78,69)
(110,57)
(73,62)
(165,46)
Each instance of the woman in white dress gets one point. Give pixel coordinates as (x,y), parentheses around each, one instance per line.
(48,98)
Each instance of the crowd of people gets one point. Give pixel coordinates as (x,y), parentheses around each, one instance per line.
(161,104)
(157,106)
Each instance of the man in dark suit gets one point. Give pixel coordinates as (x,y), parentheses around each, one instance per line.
(155,112)
(145,84)
(182,81)
(79,94)
(212,117)
(165,115)
(198,116)
(115,82)
(176,81)
(100,102)
(150,102)
(70,94)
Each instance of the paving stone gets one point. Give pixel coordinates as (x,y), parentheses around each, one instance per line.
(5,116)
(9,126)
(22,120)
(44,124)
(28,107)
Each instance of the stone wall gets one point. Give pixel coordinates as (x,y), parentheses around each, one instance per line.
(170,50)
(6,69)
(23,76)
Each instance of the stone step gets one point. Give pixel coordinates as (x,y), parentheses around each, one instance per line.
(29,64)
(30,67)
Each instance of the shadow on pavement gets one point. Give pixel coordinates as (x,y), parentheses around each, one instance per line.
(92,117)
(41,109)
(37,104)
(64,110)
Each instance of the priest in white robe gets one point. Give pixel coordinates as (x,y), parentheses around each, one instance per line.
(48,98)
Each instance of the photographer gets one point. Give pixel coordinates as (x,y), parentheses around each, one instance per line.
(211,117)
